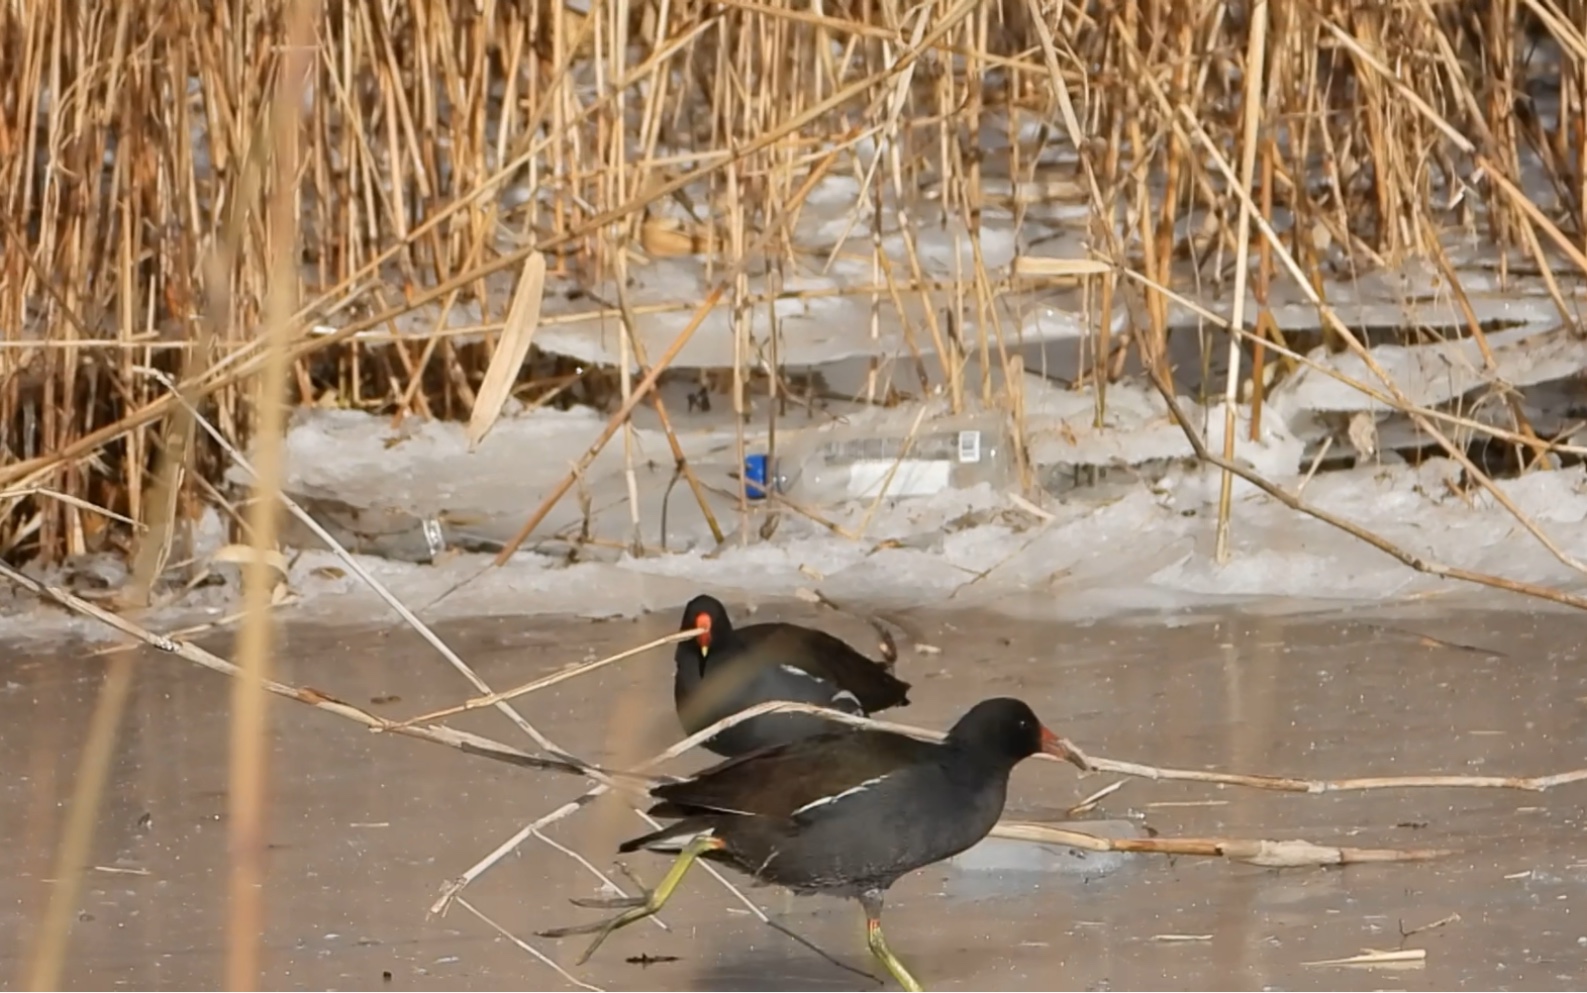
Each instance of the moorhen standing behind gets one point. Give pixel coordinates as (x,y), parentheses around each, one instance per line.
(727,669)
(845,813)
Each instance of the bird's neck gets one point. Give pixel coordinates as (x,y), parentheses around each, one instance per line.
(691,668)
(986,781)
(984,765)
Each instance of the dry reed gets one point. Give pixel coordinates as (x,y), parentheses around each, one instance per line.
(123,226)
(273,152)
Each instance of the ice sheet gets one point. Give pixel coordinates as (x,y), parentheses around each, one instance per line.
(1148,546)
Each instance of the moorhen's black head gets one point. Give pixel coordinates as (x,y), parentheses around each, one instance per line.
(707,612)
(1009,729)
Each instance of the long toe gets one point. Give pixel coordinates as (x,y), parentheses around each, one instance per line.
(563,932)
(609,902)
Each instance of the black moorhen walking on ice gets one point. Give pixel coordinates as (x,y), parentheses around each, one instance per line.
(845,813)
(727,669)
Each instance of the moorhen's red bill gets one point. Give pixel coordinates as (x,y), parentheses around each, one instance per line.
(727,669)
(846,813)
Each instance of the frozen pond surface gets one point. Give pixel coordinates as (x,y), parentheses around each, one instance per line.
(366,828)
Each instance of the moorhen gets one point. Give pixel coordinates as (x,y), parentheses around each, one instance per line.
(727,669)
(845,813)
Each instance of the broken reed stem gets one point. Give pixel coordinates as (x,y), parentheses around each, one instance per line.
(631,335)
(1283,784)
(11,496)
(1255,851)
(1271,854)
(249,774)
(72,856)
(545,681)
(613,424)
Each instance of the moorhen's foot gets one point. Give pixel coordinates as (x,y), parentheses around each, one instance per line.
(602,929)
(639,908)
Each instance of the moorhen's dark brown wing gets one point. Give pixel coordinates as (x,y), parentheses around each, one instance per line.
(778,781)
(829,659)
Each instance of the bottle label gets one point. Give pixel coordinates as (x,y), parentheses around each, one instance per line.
(434,536)
(914,477)
(948,446)
(969,446)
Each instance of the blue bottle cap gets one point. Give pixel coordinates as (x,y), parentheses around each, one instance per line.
(755,467)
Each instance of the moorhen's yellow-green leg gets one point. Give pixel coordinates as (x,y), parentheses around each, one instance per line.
(652,902)
(871,900)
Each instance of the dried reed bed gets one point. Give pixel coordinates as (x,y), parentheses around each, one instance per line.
(444,143)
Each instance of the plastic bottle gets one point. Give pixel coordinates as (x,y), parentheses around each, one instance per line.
(853,462)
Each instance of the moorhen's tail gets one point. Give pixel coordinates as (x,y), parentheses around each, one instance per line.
(833,661)
(877,689)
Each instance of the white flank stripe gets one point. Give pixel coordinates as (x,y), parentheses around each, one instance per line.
(851,791)
(844,696)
